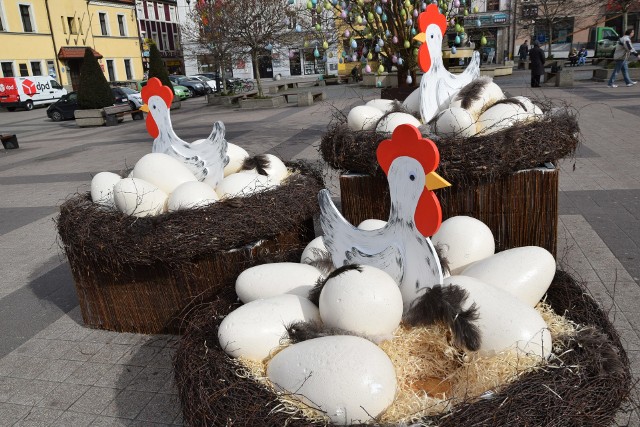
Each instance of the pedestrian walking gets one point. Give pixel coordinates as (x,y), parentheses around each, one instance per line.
(523,51)
(624,49)
(536,63)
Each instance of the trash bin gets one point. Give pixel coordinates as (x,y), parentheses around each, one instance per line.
(111,120)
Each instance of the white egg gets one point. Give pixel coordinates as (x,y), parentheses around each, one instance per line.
(269,280)
(349,378)
(256,328)
(276,170)
(526,272)
(372,224)
(366,301)
(139,198)
(504,321)
(489,94)
(163,171)
(363,117)
(384,105)
(412,102)
(455,121)
(102,188)
(313,251)
(393,120)
(236,155)
(528,105)
(191,194)
(464,240)
(501,116)
(242,185)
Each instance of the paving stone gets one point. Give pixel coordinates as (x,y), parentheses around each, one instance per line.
(102,421)
(83,351)
(12,413)
(39,417)
(119,376)
(32,392)
(150,379)
(111,353)
(128,404)
(94,400)
(32,347)
(63,396)
(58,370)
(89,373)
(162,408)
(139,355)
(74,419)
(9,386)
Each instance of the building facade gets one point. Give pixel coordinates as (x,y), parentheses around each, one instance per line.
(159,21)
(49,37)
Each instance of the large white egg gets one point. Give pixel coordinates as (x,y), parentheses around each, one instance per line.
(372,224)
(455,121)
(102,188)
(501,116)
(504,321)
(384,105)
(163,171)
(367,302)
(363,117)
(191,194)
(276,171)
(412,102)
(312,252)
(256,328)
(236,155)
(485,97)
(242,185)
(462,241)
(393,120)
(349,378)
(269,280)
(139,198)
(526,272)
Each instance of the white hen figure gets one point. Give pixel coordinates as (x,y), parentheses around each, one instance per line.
(438,85)
(206,158)
(400,248)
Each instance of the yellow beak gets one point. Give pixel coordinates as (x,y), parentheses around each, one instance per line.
(144,108)
(435,181)
(421,37)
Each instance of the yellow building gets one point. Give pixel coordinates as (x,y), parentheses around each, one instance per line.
(55,34)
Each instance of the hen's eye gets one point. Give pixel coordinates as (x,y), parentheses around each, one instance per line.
(154,107)
(431,35)
(412,177)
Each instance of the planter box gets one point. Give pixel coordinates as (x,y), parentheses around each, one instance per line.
(520,209)
(604,74)
(219,100)
(88,118)
(271,102)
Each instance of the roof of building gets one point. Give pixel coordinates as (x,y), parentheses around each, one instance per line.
(75,52)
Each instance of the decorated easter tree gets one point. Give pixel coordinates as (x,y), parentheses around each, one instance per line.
(386,29)
(94,91)
(156,65)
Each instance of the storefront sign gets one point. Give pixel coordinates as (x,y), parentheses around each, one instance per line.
(486,20)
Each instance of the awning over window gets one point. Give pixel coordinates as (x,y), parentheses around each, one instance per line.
(75,52)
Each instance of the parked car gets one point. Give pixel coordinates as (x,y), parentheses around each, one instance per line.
(206,80)
(66,106)
(196,87)
(134,97)
(181,92)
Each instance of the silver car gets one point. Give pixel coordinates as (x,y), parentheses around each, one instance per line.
(206,80)
(134,97)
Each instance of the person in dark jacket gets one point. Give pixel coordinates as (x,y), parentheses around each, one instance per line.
(536,63)
(523,51)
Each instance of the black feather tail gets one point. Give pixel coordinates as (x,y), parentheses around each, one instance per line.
(260,163)
(303,331)
(320,259)
(314,293)
(444,304)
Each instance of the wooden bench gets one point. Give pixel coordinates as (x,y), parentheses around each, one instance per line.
(306,98)
(9,141)
(115,114)
(279,87)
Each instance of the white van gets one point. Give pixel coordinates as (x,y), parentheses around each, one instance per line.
(26,92)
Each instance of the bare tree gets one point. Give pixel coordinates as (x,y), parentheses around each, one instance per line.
(623,7)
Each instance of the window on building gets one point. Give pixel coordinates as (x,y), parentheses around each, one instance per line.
(7,69)
(127,69)
(111,70)
(122,25)
(25,15)
(103,24)
(151,10)
(154,37)
(493,5)
(2,23)
(165,42)
(176,42)
(35,68)
(71,25)
(51,68)
(172,14)
(24,71)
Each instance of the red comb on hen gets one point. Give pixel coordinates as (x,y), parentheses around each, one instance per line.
(154,87)
(406,140)
(430,16)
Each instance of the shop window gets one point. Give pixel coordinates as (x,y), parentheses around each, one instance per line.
(25,15)
(493,5)
(7,69)
(122,25)
(24,71)
(103,24)
(127,69)
(35,68)
(111,70)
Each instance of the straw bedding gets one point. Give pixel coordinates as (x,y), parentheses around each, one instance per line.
(583,384)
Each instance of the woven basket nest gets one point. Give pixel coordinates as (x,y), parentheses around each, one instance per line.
(115,242)
(477,159)
(590,384)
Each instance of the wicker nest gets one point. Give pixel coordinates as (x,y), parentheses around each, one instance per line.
(586,388)
(472,160)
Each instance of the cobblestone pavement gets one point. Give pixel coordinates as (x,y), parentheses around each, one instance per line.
(56,372)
